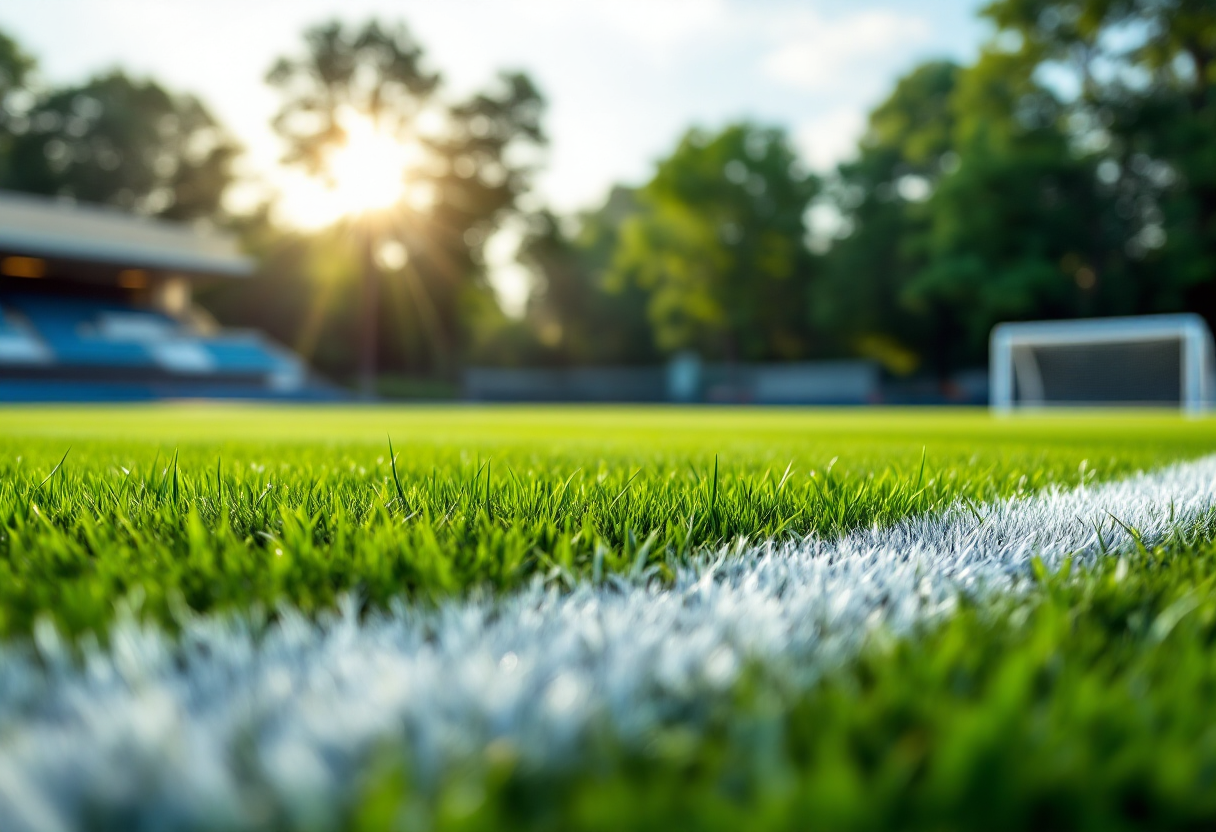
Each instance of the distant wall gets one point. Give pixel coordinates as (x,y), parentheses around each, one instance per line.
(581,384)
(811,382)
(684,379)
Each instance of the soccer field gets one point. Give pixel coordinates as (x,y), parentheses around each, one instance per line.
(564,617)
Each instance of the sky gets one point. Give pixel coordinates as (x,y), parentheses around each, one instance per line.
(623,78)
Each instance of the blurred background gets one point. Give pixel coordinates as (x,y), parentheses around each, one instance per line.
(531,199)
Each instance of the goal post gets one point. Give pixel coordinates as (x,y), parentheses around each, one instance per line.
(1159,360)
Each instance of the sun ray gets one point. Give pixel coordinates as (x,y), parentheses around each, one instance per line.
(368,173)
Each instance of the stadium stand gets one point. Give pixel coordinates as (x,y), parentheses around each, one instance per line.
(96,305)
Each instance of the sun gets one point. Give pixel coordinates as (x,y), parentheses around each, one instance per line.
(367,173)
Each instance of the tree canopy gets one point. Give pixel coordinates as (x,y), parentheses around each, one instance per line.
(476,157)
(118,141)
(719,245)
(1069,170)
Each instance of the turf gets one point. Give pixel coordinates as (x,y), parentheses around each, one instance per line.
(1084,705)
(1080,703)
(209,507)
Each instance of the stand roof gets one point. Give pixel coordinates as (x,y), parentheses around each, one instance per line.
(39,226)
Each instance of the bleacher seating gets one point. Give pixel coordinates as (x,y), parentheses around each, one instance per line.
(96,305)
(19,345)
(105,348)
(69,327)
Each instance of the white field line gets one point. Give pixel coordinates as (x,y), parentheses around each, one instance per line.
(219,725)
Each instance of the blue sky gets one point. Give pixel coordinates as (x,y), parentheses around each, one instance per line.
(624,78)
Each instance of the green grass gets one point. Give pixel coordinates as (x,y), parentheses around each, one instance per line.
(1086,705)
(226,507)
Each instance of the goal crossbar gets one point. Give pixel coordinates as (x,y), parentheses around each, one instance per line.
(1010,356)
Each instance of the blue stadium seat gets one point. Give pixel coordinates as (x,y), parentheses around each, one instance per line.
(67,325)
(245,353)
(7,326)
(152,356)
(18,345)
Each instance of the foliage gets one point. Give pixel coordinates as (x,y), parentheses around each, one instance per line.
(1068,171)
(577,313)
(16,69)
(15,66)
(488,156)
(121,141)
(469,181)
(1145,74)
(719,245)
(231,507)
(1050,246)
(436,305)
(374,72)
(858,304)
(1063,174)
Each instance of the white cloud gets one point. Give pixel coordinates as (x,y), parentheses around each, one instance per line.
(654,25)
(831,138)
(660,23)
(820,54)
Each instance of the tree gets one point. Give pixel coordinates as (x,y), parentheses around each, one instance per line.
(860,302)
(972,202)
(1022,227)
(119,141)
(468,177)
(371,75)
(577,314)
(485,159)
(15,66)
(719,246)
(1143,95)
(15,70)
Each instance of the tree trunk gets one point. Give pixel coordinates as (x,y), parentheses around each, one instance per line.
(369,302)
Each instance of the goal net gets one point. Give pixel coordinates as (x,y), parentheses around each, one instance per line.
(1156,360)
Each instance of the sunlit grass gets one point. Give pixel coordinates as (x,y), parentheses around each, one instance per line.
(1082,705)
(1082,702)
(226,507)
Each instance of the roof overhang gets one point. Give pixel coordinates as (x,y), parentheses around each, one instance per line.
(37,226)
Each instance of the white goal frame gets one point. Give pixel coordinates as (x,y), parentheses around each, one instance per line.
(1006,362)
